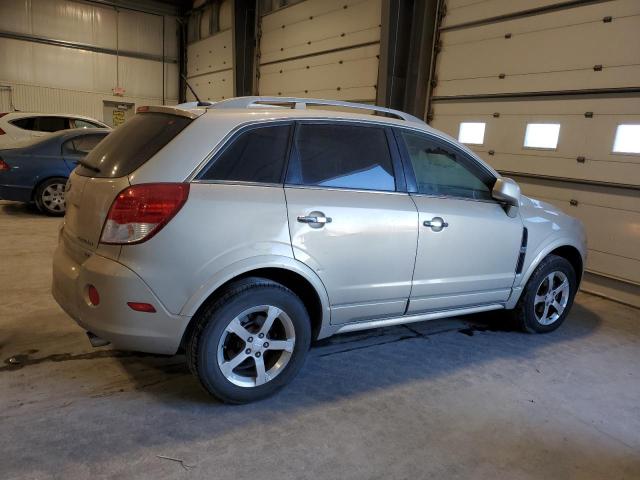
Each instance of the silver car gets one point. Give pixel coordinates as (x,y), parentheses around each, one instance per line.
(243,230)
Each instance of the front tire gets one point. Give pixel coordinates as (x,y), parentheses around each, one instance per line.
(250,342)
(548,296)
(49,197)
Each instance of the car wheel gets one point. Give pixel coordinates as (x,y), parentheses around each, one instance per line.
(548,296)
(49,197)
(250,342)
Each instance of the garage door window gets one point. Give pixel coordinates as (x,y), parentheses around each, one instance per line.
(627,139)
(257,155)
(542,135)
(342,156)
(471,133)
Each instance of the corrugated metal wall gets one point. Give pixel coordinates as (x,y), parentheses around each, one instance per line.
(210,54)
(322,49)
(504,63)
(46,75)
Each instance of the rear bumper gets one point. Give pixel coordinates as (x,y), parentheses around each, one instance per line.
(113,320)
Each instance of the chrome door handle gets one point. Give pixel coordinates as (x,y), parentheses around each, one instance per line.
(315,219)
(436,224)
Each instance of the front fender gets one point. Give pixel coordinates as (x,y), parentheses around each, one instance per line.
(247,265)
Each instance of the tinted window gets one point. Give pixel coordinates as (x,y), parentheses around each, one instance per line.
(81,145)
(51,124)
(129,146)
(24,123)
(257,155)
(443,171)
(344,156)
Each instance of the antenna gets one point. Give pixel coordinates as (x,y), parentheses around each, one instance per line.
(200,102)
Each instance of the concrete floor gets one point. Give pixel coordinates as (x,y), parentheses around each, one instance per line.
(446,399)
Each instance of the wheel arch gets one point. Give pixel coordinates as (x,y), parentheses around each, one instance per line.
(291,273)
(40,181)
(562,247)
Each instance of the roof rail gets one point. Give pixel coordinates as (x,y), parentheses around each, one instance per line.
(254,101)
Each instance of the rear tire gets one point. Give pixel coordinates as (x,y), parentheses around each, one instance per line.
(49,197)
(547,297)
(250,342)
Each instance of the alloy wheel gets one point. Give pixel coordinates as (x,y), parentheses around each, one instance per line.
(52,198)
(551,298)
(256,346)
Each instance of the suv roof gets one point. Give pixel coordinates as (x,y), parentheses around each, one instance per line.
(290,107)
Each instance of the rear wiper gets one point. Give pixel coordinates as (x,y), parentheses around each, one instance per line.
(90,167)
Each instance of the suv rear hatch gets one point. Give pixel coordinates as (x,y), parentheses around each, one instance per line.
(102,174)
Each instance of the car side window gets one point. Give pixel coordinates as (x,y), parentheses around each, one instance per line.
(51,124)
(24,123)
(78,123)
(81,145)
(257,155)
(342,156)
(445,172)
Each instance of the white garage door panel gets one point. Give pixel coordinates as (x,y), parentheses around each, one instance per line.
(337,27)
(350,70)
(464,11)
(591,138)
(552,58)
(618,10)
(587,78)
(211,54)
(611,218)
(212,86)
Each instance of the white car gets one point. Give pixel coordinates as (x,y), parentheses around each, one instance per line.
(16,126)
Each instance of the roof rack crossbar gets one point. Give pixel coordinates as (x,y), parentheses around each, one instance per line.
(248,102)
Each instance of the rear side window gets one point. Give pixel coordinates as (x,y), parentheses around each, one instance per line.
(130,146)
(78,123)
(24,123)
(81,145)
(51,124)
(342,156)
(257,155)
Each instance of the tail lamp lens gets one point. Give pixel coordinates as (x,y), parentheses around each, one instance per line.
(94,296)
(4,166)
(140,211)
(141,307)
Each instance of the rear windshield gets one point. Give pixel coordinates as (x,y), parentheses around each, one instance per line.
(128,147)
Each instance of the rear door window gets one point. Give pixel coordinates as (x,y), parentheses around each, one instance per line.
(79,123)
(129,146)
(81,145)
(257,155)
(342,156)
(51,124)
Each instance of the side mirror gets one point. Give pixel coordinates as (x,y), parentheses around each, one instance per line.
(507,191)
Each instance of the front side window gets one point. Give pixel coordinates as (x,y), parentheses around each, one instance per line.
(444,172)
(51,124)
(342,156)
(81,145)
(257,155)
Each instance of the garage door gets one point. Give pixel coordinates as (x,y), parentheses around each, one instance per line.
(210,52)
(321,49)
(549,93)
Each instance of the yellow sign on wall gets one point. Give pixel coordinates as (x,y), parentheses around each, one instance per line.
(118,117)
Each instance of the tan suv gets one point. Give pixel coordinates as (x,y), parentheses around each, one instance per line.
(243,230)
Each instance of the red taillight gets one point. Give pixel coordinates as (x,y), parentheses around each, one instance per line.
(4,166)
(142,307)
(139,212)
(94,296)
